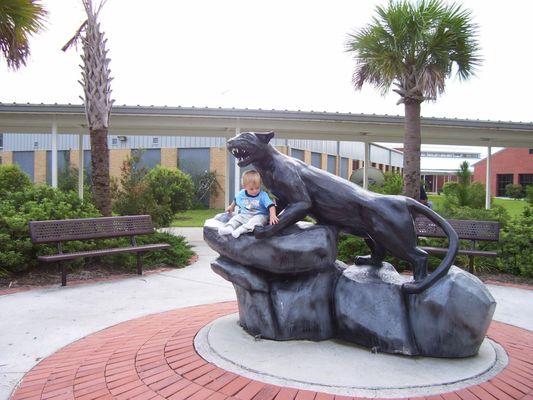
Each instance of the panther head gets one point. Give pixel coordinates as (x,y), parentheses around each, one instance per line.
(249,147)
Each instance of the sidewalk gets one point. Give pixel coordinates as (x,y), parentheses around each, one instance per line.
(37,323)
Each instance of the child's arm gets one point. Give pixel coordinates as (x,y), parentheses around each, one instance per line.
(273,217)
(231,207)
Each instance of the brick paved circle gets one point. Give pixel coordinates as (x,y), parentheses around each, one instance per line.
(153,357)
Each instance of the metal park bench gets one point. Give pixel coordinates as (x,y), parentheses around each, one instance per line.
(466,230)
(59,231)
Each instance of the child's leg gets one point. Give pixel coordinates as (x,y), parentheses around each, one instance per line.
(235,222)
(249,225)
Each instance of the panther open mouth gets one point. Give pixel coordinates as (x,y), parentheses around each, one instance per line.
(243,156)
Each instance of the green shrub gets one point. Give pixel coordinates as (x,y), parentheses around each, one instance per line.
(457,195)
(160,192)
(12,179)
(35,203)
(350,246)
(529,194)
(67,180)
(516,244)
(172,191)
(177,255)
(393,184)
(515,191)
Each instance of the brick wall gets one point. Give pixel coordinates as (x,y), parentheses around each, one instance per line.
(217,163)
(39,166)
(350,167)
(169,157)
(116,159)
(73,160)
(7,157)
(507,161)
(324,161)
(307,157)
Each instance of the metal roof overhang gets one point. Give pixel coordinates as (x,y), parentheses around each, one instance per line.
(181,121)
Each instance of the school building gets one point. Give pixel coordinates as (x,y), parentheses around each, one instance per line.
(193,155)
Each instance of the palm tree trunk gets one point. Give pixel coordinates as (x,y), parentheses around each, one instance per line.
(100,171)
(411,151)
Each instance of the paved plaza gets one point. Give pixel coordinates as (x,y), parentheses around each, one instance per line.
(147,350)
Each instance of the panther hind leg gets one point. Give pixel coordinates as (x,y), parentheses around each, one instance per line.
(376,257)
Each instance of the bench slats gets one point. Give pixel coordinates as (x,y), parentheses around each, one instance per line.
(466,229)
(440,250)
(103,252)
(63,230)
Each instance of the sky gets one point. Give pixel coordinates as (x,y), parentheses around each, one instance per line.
(270,55)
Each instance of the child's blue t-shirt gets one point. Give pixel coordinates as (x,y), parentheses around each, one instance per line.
(253,205)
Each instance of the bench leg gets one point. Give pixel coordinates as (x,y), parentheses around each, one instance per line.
(139,264)
(471,266)
(61,266)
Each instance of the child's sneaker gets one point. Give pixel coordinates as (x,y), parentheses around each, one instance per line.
(236,233)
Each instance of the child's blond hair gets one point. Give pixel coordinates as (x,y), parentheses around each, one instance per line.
(251,177)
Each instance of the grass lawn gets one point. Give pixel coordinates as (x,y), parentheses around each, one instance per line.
(513,207)
(194,217)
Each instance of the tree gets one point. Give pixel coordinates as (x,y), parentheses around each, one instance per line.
(414,47)
(96,83)
(19,19)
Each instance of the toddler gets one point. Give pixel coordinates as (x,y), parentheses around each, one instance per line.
(255,207)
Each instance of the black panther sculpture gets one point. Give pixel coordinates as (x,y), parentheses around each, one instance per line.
(385,222)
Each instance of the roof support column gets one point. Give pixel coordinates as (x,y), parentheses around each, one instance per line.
(365,166)
(54,153)
(80,166)
(488,189)
(227,172)
(338,158)
(236,161)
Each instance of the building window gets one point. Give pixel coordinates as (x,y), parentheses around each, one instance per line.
(530,151)
(1,140)
(502,180)
(525,179)
(155,141)
(114,141)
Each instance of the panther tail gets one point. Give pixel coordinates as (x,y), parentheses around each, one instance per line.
(453,245)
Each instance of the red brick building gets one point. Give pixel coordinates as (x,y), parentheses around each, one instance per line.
(510,165)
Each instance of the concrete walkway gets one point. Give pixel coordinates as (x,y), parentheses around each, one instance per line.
(37,323)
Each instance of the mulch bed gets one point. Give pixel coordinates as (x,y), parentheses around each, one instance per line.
(48,275)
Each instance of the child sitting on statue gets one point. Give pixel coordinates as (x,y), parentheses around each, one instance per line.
(255,207)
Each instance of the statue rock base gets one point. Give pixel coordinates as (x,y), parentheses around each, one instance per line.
(371,311)
(450,319)
(282,307)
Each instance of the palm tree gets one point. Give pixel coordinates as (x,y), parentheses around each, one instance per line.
(414,47)
(19,19)
(96,83)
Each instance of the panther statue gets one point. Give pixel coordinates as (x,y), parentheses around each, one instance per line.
(385,222)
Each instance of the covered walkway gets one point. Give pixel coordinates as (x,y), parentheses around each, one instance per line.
(172,121)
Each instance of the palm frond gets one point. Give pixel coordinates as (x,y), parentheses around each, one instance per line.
(19,19)
(415,46)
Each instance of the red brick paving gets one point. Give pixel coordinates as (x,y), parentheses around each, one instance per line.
(153,358)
